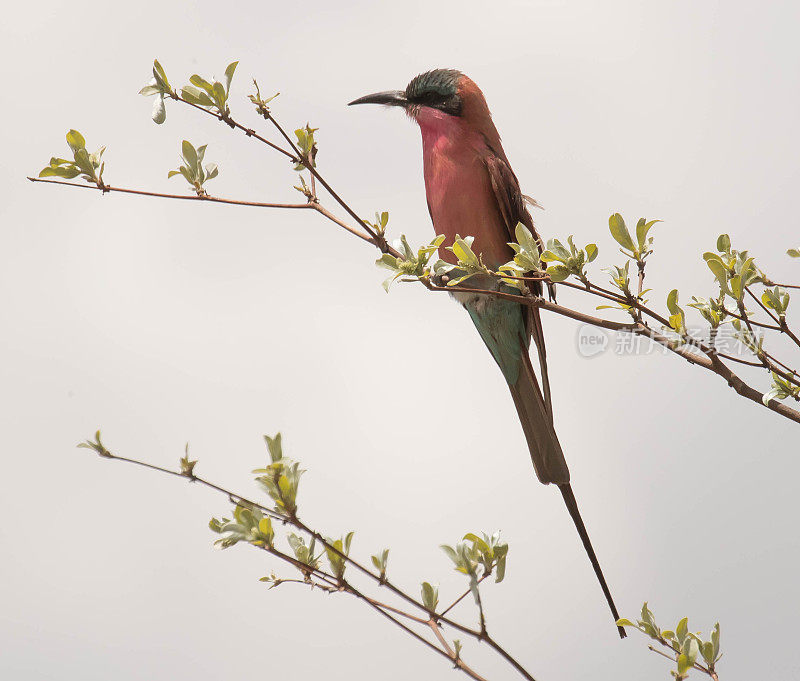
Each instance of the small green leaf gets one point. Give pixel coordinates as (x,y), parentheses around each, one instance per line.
(202,83)
(557,272)
(229,75)
(189,154)
(620,232)
(160,75)
(275,447)
(149,90)
(642,229)
(195,96)
(75,141)
(719,270)
(688,656)
(672,301)
(220,96)
(682,630)
(430,596)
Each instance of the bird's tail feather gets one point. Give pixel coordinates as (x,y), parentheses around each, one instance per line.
(548,458)
(537,333)
(572,507)
(537,424)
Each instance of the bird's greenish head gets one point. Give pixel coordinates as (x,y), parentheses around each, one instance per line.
(437,89)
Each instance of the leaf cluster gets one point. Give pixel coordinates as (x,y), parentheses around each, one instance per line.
(711,309)
(380,561)
(248,524)
(281,478)
(160,87)
(307,145)
(409,264)
(89,166)
(260,103)
(187,465)
(305,553)
(337,549)
(527,258)
(568,261)
(192,169)
(637,250)
(468,262)
(776,299)
(734,270)
(477,557)
(381,221)
(96,446)
(211,94)
(780,390)
(689,648)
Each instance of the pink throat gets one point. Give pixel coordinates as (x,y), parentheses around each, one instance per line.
(439,130)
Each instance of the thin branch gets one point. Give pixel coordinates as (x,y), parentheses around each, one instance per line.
(671,658)
(785,329)
(760,325)
(464,668)
(397,611)
(311,584)
(381,608)
(460,598)
(234,498)
(378,239)
(785,366)
(641,264)
(326,213)
(330,579)
(107,188)
(233,124)
(762,306)
(733,380)
(214,199)
(739,360)
(708,360)
(677,652)
(295,157)
(457,661)
(479,602)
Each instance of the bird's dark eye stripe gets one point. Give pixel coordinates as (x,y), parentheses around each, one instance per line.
(429,97)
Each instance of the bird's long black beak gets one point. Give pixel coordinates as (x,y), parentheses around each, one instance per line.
(389,98)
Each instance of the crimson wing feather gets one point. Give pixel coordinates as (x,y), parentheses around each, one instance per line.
(510,200)
(511,206)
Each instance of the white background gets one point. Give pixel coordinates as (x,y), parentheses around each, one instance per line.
(162,322)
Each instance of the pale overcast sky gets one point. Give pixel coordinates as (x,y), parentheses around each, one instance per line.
(162,322)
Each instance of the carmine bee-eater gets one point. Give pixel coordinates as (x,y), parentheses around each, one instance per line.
(472,190)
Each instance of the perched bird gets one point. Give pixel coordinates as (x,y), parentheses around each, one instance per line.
(472,190)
